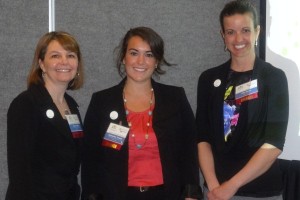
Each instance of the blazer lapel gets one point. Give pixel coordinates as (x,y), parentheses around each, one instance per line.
(257,71)
(50,111)
(218,102)
(163,108)
(159,111)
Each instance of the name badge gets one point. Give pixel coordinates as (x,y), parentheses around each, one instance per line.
(246,91)
(75,125)
(115,136)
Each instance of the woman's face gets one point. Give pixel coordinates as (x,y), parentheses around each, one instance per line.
(240,35)
(139,60)
(59,65)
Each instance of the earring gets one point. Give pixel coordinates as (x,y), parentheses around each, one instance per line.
(77,74)
(225,48)
(255,43)
(43,74)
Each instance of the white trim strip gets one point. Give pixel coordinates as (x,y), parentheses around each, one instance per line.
(51,15)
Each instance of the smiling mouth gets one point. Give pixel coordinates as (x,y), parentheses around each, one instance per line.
(140,69)
(240,46)
(63,70)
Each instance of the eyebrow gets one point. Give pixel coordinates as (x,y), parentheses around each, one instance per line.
(133,49)
(231,29)
(55,51)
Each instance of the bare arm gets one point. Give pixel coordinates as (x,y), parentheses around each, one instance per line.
(260,162)
(207,166)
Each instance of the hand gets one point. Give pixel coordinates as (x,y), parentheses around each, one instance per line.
(224,192)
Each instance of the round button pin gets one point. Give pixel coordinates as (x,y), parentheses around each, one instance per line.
(217,83)
(50,113)
(113,115)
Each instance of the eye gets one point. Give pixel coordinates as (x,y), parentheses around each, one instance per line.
(149,55)
(133,53)
(246,30)
(72,55)
(54,56)
(229,32)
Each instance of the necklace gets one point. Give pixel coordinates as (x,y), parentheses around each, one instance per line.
(62,107)
(139,146)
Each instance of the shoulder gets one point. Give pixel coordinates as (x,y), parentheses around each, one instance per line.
(164,86)
(213,77)
(107,98)
(219,70)
(109,92)
(169,95)
(167,90)
(267,70)
(24,97)
(23,103)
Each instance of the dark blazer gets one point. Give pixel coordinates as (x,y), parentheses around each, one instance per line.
(43,158)
(105,170)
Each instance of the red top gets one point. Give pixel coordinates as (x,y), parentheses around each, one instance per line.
(144,166)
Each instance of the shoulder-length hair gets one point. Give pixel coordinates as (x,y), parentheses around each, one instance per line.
(69,43)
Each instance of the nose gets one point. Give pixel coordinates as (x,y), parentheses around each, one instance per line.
(64,60)
(141,59)
(238,37)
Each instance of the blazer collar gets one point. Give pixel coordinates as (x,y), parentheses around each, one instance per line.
(257,66)
(46,104)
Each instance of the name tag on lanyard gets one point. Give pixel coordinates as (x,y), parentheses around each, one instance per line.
(75,125)
(115,136)
(246,91)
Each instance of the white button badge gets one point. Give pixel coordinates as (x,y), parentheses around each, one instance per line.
(113,115)
(217,83)
(50,113)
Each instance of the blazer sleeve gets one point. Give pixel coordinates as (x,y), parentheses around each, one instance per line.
(21,129)
(202,120)
(278,108)
(91,168)
(190,159)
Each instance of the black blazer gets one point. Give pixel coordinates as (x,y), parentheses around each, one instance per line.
(43,158)
(105,170)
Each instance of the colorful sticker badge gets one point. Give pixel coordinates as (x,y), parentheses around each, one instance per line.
(75,126)
(115,136)
(246,91)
